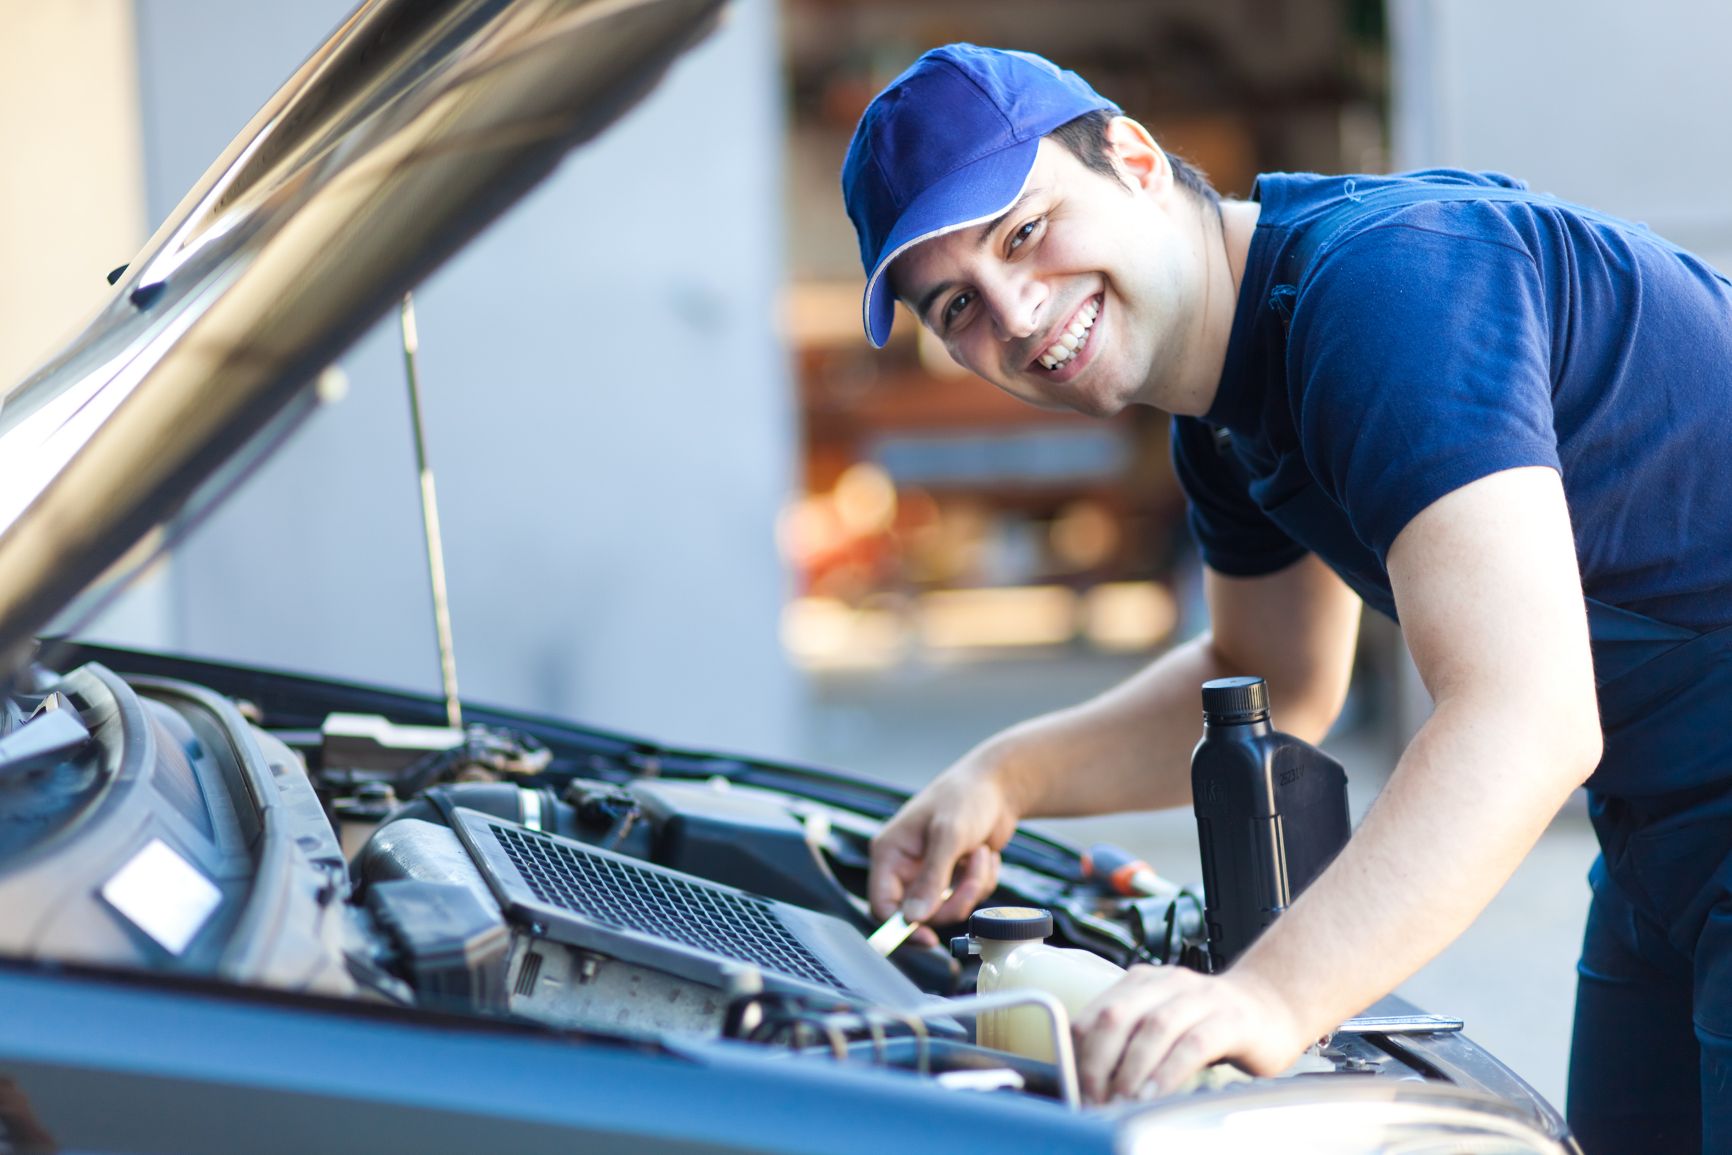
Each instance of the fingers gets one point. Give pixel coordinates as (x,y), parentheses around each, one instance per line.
(976,876)
(1153,1030)
(1197,1047)
(943,848)
(888,887)
(912,872)
(1104,1028)
(883,891)
(883,887)
(1167,1048)
(894,862)
(948,830)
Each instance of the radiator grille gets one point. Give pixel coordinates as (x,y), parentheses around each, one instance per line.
(625,897)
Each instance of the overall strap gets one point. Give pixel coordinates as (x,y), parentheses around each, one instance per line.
(1321,233)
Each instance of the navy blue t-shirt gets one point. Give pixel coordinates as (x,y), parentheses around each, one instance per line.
(1440,342)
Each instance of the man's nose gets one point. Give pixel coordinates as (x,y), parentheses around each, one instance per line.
(1016,304)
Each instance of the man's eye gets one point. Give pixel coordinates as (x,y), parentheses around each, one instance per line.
(1024,233)
(955,308)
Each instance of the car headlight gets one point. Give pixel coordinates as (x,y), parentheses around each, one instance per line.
(1306,1118)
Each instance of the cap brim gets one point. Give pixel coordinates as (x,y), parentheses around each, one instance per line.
(972,195)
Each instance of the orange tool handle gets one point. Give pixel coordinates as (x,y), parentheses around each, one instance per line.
(1120,871)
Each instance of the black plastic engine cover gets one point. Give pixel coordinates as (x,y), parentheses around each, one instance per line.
(744,840)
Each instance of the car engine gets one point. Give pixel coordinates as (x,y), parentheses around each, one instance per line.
(292,834)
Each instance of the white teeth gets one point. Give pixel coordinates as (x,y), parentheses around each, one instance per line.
(1071,339)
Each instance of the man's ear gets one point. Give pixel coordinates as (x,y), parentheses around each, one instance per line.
(1137,156)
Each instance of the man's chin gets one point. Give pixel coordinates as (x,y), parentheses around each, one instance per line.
(1093,408)
(1096,402)
(1065,398)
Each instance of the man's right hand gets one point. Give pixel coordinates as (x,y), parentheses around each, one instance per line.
(949,834)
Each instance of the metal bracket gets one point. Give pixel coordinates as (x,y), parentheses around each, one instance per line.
(1064,1056)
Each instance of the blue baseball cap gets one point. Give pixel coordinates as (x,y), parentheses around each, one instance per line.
(949,144)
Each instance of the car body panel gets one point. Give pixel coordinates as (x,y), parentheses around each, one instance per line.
(124,1063)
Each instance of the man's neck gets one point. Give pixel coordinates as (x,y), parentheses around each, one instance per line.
(1227,249)
(1238,223)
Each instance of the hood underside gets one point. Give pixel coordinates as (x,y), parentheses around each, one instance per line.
(415,125)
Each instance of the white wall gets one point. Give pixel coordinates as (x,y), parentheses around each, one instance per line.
(71,174)
(71,199)
(609,416)
(1617,105)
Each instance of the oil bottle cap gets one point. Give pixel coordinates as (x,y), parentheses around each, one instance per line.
(1235,699)
(1010,923)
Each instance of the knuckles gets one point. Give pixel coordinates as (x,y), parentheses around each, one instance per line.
(1191,1051)
(1109,1017)
(1156,1023)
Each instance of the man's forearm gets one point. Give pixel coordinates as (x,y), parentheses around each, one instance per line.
(1486,582)
(1127,749)
(1468,800)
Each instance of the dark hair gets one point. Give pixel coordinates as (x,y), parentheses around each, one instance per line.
(1086,138)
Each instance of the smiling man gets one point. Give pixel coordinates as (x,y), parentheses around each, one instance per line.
(1487,413)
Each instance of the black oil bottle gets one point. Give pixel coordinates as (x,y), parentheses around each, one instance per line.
(1271,814)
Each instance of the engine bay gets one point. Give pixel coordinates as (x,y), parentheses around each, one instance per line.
(525,870)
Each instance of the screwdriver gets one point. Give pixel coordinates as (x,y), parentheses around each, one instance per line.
(1121,872)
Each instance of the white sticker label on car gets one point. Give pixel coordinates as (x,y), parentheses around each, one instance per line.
(163,895)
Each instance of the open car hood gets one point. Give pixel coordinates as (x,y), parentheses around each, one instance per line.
(413,126)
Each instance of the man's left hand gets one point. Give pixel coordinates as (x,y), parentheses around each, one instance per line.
(1158,1026)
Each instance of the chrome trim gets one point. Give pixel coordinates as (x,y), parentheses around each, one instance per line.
(529,804)
(1064,1055)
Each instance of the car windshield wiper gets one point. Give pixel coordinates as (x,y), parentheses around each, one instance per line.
(48,737)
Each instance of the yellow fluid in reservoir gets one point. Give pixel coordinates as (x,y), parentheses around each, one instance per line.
(1074,977)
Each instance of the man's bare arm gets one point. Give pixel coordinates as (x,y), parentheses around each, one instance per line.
(1486,583)
(1126,749)
(1130,748)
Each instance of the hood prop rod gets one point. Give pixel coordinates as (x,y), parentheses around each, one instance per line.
(430,524)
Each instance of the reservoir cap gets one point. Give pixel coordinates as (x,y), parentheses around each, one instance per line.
(1235,699)
(1010,923)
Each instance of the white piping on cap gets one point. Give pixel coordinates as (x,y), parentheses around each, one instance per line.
(872,282)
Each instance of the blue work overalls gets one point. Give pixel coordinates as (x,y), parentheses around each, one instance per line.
(1651,1057)
(1651,1061)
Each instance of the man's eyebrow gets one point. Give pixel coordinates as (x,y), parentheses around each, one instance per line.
(932,295)
(980,239)
(991,226)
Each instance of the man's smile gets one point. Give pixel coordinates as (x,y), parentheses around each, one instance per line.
(1065,350)
(1072,337)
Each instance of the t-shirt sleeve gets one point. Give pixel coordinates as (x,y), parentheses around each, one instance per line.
(1419,352)
(1233,535)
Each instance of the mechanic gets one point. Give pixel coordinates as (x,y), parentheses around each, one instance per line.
(1483,412)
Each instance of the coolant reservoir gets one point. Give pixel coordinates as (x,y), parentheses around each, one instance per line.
(1014,956)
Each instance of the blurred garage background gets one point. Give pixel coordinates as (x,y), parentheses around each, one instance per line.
(681,496)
